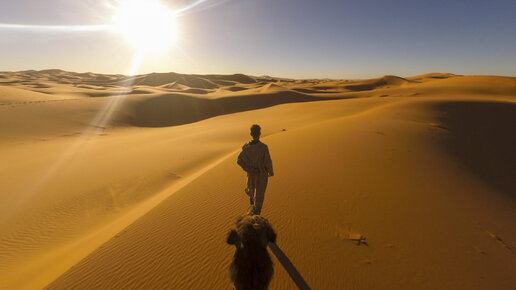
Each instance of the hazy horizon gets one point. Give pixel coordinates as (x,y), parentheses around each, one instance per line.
(251,75)
(291,39)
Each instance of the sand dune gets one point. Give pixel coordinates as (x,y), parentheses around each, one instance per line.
(431,76)
(169,110)
(481,139)
(377,83)
(158,79)
(13,96)
(426,173)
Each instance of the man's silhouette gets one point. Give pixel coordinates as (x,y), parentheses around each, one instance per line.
(256,161)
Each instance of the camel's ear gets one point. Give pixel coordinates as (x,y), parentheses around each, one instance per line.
(271,235)
(233,238)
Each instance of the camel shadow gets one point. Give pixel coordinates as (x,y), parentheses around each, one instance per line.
(289,267)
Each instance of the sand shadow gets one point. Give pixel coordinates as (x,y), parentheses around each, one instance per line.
(289,267)
(482,139)
(177,109)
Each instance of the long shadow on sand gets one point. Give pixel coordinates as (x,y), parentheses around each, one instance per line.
(289,267)
(483,139)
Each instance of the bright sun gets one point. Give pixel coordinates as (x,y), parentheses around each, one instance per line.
(147,24)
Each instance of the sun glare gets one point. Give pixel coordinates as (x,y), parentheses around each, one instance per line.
(146,24)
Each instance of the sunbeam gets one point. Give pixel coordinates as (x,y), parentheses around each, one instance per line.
(127,16)
(61,28)
(189,7)
(104,116)
(196,6)
(97,125)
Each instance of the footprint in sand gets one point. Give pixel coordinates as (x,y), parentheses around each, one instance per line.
(440,126)
(499,240)
(366,261)
(480,251)
(345,232)
(172,175)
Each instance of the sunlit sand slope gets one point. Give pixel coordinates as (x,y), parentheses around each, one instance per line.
(422,167)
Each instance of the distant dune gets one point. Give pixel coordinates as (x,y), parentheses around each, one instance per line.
(377,83)
(115,182)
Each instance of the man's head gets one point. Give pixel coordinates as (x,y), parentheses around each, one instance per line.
(256,131)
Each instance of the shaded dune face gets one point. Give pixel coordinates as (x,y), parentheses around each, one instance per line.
(158,79)
(482,138)
(193,81)
(376,83)
(176,109)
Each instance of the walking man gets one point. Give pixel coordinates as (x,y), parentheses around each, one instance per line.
(256,161)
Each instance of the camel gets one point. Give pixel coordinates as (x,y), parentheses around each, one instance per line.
(252,267)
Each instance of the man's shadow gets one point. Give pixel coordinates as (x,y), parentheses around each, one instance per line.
(289,267)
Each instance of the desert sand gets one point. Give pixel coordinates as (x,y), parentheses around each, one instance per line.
(117,182)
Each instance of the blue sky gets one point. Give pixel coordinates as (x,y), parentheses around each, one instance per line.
(288,38)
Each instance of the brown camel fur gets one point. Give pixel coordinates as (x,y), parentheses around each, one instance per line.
(252,265)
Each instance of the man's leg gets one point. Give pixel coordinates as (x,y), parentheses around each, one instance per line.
(261,185)
(251,187)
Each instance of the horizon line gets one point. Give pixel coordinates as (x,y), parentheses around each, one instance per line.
(252,75)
